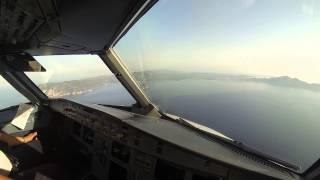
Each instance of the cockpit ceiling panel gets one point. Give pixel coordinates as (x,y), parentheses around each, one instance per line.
(44,27)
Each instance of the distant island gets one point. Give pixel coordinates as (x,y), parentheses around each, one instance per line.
(286,81)
(76,87)
(84,86)
(283,81)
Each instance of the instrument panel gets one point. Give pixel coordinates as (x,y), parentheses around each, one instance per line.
(124,146)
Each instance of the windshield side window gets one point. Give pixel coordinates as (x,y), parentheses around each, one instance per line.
(84,78)
(9,96)
(234,66)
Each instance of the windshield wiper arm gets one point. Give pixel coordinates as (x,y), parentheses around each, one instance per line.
(266,157)
(237,144)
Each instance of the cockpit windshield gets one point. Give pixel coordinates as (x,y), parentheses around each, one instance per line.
(82,78)
(247,68)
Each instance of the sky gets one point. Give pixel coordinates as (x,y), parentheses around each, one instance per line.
(256,37)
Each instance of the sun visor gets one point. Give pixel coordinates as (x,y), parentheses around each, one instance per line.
(19,62)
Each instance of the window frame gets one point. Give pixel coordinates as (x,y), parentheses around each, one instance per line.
(110,65)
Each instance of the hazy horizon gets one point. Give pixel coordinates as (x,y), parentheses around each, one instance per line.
(43,77)
(191,72)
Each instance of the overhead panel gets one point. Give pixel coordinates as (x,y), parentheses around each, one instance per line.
(45,27)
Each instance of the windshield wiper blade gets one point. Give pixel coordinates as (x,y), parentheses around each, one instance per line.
(125,108)
(267,157)
(237,144)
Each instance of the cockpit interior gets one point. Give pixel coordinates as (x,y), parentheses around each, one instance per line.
(90,141)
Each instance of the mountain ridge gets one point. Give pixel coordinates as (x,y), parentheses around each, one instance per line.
(83,86)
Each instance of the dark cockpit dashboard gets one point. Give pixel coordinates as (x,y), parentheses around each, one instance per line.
(120,145)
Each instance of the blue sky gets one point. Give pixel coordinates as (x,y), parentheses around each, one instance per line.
(258,37)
